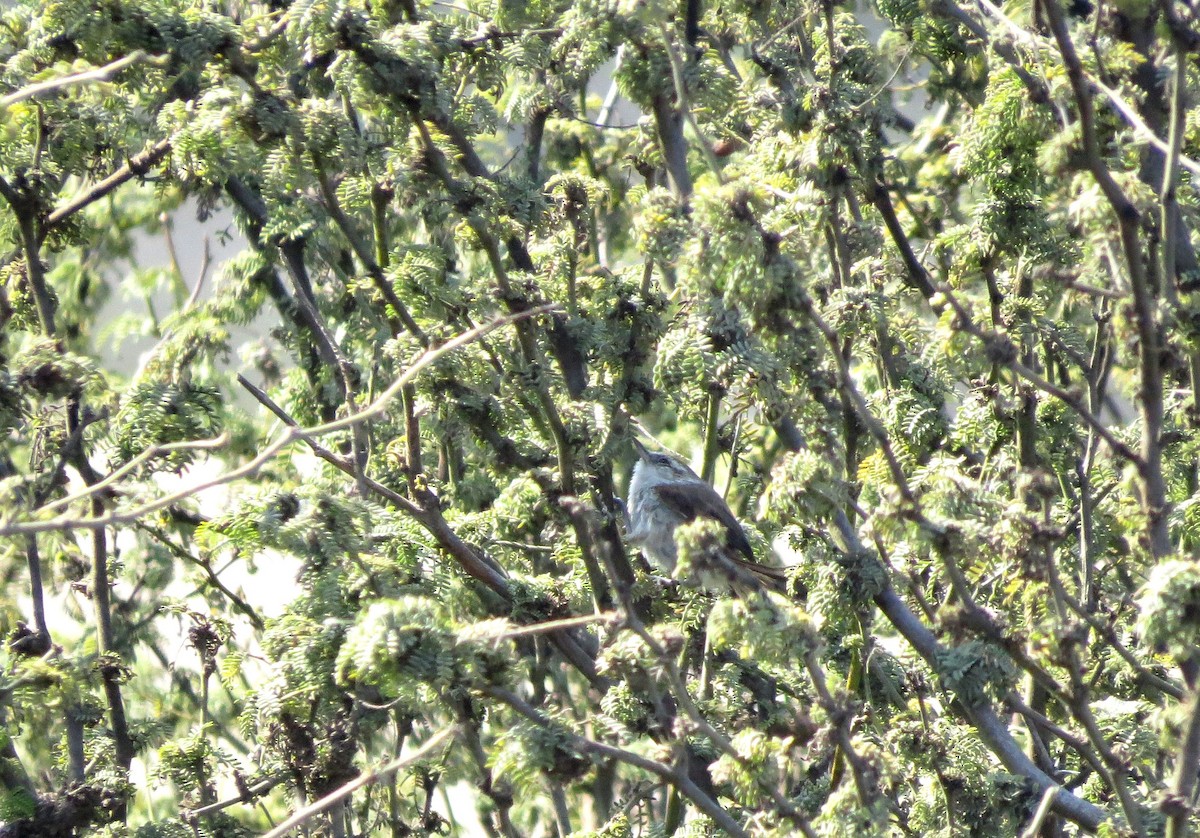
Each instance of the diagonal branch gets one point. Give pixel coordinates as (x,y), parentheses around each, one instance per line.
(474,562)
(678,779)
(334,208)
(303,816)
(983,718)
(98,74)
(376,408)
(137,166)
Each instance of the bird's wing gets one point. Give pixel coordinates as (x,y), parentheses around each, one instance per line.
(699,500)
(775,578)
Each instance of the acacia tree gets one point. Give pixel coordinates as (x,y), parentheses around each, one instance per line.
(947,367)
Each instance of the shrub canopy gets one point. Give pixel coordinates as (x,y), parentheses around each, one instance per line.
(914,284)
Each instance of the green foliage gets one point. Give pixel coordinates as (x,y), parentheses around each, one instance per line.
(164,413)
(396,646)
(189,763)
(768,632)
(17,804)
(1169,605)
(46,373)
(975,670)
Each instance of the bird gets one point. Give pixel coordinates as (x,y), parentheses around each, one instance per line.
(664,493)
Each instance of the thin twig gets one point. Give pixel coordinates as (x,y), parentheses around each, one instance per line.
(202,275)
(104,73)
(555,625)
(860,770)
(681,781)
(25,209)
(1179,800)
(1140,128)
(270,35)
(213,578)
(1043,811)
(376,408)
(680,691)
(610,98)
(105,644)
(251,794)
(384,772)
(149,454)
(476,565)
(1168,226)
(921,280)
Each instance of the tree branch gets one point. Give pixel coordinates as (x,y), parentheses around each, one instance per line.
(376,408)
(98,74)
(668,123)
(303,816)
(677,779)
(1178,804)
(473,562)
(1150,396)
(110,670)
(982,717)
(249,795)
(133,465)
(334,208)
(137,166)
(24,207)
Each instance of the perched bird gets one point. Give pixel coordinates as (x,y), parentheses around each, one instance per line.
(664,493)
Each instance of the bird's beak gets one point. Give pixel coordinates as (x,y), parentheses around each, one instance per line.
(643,452)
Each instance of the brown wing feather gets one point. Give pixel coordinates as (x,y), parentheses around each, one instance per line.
(699,500)
(775,578)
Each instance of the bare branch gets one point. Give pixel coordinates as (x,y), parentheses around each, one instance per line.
(250,795)
(1178,803)
(556,625)
(1043,811)
(149,454)
(137,166)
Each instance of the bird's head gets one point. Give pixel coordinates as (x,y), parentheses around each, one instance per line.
(663,468)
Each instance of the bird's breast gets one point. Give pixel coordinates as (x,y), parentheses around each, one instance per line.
(652,526)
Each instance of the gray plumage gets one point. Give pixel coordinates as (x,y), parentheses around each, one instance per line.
(664,493)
